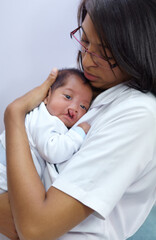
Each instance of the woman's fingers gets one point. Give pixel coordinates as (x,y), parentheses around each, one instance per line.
(39,93)
(52,76)
(34,97)
(50,80)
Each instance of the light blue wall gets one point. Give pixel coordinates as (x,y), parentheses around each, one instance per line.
(34,37)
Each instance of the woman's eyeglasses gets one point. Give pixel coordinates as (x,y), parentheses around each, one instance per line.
(83,44)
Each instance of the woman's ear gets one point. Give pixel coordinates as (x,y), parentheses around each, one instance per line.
(47,97)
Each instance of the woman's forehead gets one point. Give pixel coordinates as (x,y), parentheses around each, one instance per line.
(89,30)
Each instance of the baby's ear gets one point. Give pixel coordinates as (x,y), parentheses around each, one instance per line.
(47,97)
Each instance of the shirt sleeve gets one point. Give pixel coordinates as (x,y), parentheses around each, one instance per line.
(114,156)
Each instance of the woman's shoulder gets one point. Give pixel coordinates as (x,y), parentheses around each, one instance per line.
(124,96)
(136,100)
(141,100)
(131,106)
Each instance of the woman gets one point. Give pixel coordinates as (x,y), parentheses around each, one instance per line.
(108,188)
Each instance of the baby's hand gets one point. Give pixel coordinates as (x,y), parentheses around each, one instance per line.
(85,126)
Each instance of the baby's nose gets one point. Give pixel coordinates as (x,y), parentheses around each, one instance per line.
(74,107)
(72,113)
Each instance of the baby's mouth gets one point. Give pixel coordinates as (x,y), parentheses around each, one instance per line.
(71,114)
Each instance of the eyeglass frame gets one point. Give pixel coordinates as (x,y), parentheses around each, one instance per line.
(91,53)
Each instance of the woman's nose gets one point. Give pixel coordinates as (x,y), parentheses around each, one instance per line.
(87,60)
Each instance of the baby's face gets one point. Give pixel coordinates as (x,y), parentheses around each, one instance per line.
(69,102)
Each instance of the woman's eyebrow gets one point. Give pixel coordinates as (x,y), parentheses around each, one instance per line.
(98,44)
(83,31)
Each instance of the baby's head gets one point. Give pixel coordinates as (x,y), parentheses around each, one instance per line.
(69,97)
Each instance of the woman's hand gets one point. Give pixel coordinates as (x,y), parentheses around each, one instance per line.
(34,97)
(7,226)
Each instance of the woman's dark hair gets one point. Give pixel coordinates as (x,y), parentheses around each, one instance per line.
(128,28)
(63,75)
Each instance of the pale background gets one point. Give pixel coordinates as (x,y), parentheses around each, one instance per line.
(34,37)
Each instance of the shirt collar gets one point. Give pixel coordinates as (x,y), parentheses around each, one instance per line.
(108,95)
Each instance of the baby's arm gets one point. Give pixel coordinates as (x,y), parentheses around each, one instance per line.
(59,145)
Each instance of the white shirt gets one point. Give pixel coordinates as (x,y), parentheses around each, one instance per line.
(50,140)
(53,140)
(114,172)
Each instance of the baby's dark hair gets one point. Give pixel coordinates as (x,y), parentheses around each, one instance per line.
(63,75)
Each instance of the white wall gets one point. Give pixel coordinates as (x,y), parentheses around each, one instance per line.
(34,37)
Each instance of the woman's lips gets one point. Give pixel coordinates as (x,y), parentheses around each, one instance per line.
(90,76)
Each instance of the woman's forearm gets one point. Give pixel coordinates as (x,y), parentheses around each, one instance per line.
(7,226)
(24,185)
(37,214)
(20,168)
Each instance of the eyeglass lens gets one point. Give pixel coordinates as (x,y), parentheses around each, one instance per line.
(82,44)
